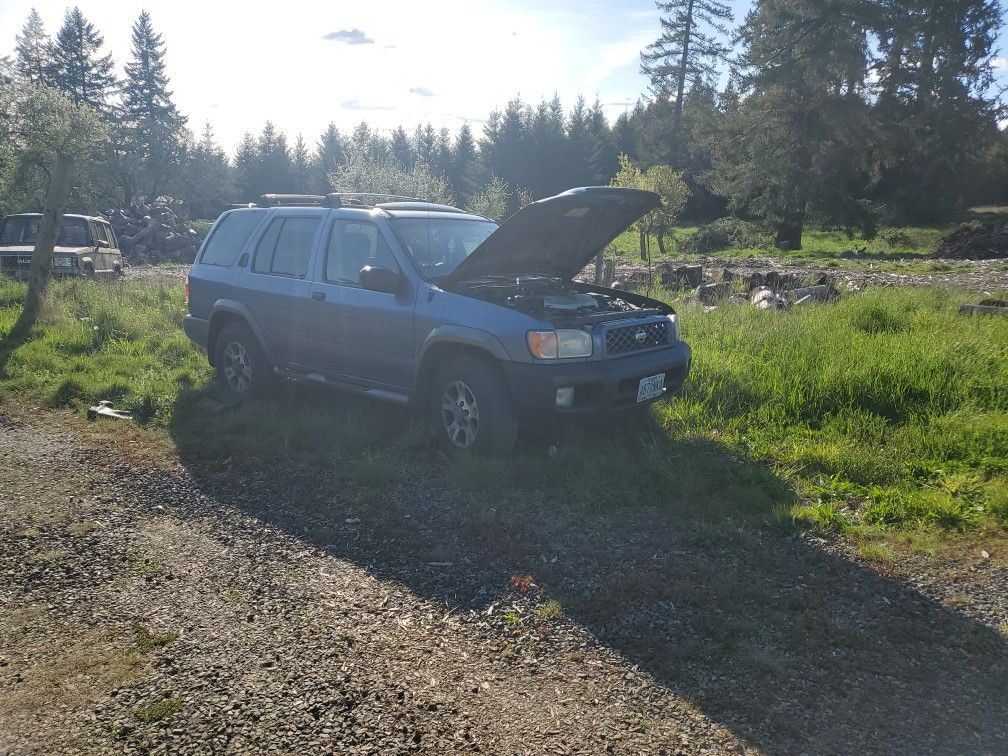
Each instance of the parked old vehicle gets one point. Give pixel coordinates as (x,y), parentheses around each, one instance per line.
(85,246)
(482,327)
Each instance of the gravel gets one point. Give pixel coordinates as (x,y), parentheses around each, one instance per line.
(152,604)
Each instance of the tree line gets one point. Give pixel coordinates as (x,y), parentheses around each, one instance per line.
(842,113)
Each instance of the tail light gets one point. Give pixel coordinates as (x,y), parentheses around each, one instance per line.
(187,292)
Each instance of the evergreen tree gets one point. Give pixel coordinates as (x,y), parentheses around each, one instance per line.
(624,137)
(77,68)
(208,178)
(504,146)
(463,165)
(301,168)
(580,147)
(803,124)
(33,49)
(602,163)
(424,144)
(245,166)
(330,153)
(692,43)
(402,149)
(935,102)
(151,125)
(273,169)
(546,156)
(442,152)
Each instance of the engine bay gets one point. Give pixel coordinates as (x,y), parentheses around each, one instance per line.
(549,298)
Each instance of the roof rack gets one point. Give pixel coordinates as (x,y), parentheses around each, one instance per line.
(349,199)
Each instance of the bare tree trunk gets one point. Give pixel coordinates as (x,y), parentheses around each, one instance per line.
(661,243)
(41,264)
(681,85)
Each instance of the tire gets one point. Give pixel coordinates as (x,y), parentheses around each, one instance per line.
(242,367)
(471,408)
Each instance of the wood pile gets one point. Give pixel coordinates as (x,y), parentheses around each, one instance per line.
(154,233)
(977,240)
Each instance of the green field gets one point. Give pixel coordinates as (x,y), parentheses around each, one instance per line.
(883,416)
(891,244)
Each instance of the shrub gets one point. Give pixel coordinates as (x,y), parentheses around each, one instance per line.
(727,233)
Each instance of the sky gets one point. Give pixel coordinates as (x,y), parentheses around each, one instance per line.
(303,64)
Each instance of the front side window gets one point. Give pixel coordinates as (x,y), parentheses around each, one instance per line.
(438,245)
(352,246)
(102,233)
(229,236)
(285,247)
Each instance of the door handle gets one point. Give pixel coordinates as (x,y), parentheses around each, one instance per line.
(318,296)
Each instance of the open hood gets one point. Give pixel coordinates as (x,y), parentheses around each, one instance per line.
(556,236)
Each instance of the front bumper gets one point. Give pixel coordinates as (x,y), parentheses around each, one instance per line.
(598,385)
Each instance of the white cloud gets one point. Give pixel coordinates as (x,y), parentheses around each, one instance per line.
(999,64)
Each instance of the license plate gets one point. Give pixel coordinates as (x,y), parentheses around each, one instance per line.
(651,387)
(24,261)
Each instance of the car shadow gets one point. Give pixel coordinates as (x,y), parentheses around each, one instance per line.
(672,552)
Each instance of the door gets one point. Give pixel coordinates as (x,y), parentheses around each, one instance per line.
(274,285)
(358,334)
(103,256)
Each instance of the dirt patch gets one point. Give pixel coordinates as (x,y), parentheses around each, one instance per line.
(266,610)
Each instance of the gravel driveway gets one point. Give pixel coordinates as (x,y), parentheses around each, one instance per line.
(152,604)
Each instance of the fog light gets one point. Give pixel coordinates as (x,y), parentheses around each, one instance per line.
(565,397)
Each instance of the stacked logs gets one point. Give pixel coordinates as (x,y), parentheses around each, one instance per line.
(154,233)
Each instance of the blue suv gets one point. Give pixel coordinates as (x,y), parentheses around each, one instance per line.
(479,326)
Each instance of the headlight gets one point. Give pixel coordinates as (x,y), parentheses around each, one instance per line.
(62,262)
(673,328)
(565,342)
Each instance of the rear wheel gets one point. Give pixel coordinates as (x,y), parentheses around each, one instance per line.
(242,367)
(471,409)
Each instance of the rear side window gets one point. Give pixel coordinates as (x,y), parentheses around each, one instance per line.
(229,237)
(285,247)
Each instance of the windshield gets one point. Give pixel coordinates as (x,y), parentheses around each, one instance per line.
(438,245)
(23,230)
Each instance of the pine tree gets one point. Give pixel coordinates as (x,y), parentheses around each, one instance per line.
(935,102)
(330,153)
(245,165)
(301,169)
(463,165)
(33,48)
(692,43)
(424,143)
(402,149)
(151,125)
(803,134)
(208,178)
(272,172)
(603,161)
(77,68)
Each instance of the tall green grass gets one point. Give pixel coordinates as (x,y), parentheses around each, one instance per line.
(886,408)
(886,411)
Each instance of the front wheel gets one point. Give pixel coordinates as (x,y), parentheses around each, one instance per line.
(471,408)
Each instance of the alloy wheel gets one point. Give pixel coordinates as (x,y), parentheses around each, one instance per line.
(460,414)
(237,367)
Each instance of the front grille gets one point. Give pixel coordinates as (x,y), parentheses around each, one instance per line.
(636,337)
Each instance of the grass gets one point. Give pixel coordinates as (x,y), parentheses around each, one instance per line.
(146,641)
(158,710)
(830,246)
(883,417)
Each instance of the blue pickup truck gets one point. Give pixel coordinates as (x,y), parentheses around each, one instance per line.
(482,327)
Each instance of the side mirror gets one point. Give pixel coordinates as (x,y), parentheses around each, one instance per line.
(381,279)
(101,244)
